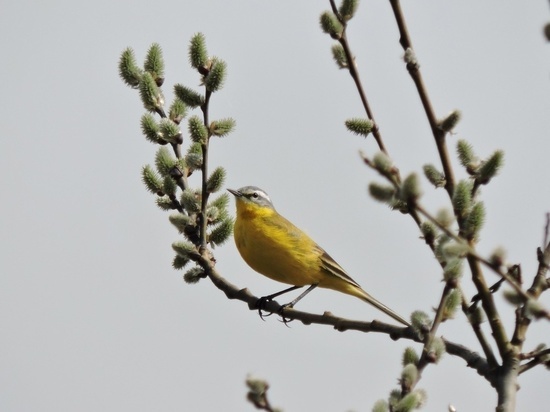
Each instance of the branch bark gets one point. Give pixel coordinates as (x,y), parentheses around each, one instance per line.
(473,359)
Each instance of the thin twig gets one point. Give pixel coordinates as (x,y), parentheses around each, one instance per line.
(352,68)
(204,172)
(539,357)
(540,284)
(180,180)
(476,326)
(471,252)
(426,359)
(416,75)
(488,303)
(534,354)
(529,365)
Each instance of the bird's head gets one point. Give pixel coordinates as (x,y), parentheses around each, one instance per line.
(251,198)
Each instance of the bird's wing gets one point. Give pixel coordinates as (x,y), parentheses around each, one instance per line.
(334,269)
(297,236)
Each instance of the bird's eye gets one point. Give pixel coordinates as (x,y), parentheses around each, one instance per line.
(255,195)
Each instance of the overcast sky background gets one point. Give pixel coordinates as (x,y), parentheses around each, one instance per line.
(92,315)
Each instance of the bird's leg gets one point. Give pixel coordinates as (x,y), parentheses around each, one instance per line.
(260,304)
(282,292)
(295,301)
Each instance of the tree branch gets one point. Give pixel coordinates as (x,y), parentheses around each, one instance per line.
(538,357)
(499,333)
(476,326)
(539,285)
(207,262)
(471,252)
(352,68)
(204,172)
(473,360)
(414,71)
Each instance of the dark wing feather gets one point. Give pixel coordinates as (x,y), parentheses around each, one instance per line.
(334,269)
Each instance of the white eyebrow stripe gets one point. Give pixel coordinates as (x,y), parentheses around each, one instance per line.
(263,194)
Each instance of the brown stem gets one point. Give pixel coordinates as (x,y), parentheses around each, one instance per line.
(206,261)
(476,326)
(204,172)
(471,252)
(538,358)
(416,75)
(352,68)
(426,357)
(499,333)
(539,285)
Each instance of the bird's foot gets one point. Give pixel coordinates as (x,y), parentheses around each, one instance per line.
(260,305)
(262,302)
(281,313)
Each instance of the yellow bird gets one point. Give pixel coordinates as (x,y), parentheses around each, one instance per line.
(274,247)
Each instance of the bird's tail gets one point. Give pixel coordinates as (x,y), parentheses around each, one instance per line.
(380,306)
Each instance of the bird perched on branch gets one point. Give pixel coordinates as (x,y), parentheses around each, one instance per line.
(274,247)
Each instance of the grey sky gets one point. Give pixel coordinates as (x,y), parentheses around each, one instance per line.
(94,317)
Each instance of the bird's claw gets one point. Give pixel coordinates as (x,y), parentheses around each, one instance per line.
(281,313)
(260,304)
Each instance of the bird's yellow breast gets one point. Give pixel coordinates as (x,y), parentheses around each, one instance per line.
(274,247)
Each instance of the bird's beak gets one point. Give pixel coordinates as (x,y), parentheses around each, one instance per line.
(235,193)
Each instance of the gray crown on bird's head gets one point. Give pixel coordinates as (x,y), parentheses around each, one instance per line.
(253,194)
